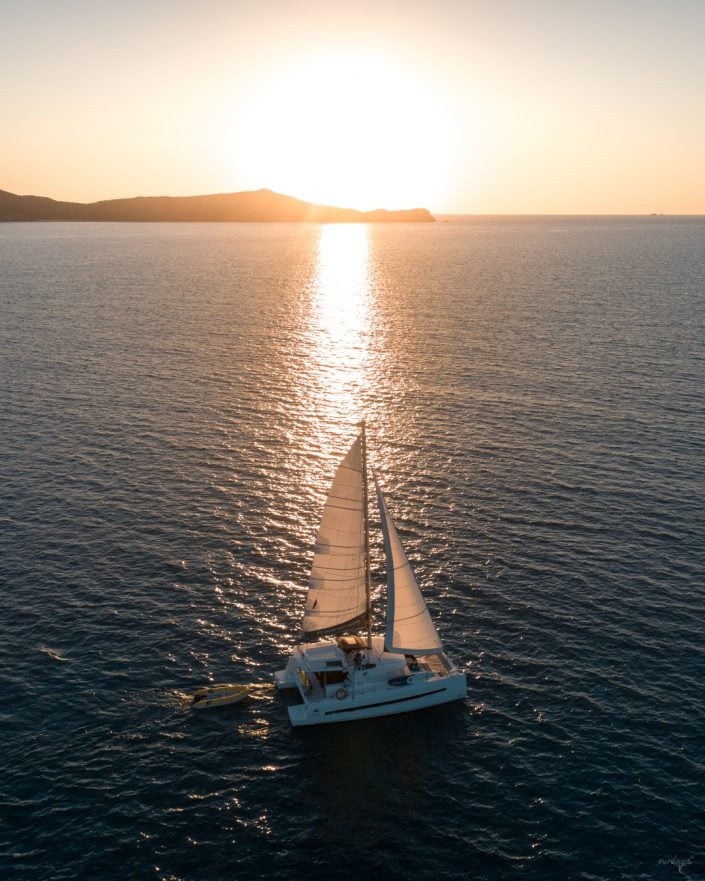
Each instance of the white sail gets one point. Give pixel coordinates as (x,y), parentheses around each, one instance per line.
(409,626)
(336,597)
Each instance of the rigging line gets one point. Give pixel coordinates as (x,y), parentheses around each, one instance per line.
(366,519)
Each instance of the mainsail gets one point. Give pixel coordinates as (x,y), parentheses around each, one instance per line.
(336,599)
(409,626)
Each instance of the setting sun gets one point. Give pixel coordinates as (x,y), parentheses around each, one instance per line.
(345,130)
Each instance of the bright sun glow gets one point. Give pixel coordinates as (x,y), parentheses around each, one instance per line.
(351,131)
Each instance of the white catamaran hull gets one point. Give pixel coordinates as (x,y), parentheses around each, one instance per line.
(390,683)
(421,697)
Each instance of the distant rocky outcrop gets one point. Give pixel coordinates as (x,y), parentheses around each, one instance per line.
(255,206)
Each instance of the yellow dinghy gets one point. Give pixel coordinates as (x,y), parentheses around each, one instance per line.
(219,695)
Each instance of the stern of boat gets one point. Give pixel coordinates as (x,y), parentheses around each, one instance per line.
(289,676)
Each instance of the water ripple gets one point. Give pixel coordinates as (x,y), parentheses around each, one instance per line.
(174,404)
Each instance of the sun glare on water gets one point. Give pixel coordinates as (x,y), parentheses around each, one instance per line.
(335,380)
(349,131)
(340,325)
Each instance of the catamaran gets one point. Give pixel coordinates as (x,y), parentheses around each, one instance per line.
(340,674)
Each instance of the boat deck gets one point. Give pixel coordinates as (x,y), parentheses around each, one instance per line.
(435,664)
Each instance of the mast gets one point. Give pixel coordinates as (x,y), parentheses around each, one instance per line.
(366,520)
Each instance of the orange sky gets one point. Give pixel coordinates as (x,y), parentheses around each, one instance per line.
(478,107)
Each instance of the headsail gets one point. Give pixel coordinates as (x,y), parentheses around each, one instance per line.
(336,598)
(409,626)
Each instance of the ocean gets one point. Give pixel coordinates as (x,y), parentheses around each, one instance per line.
(174,400)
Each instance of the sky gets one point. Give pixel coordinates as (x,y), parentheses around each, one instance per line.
(460,106)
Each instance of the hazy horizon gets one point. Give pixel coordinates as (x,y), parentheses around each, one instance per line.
(437,214)
(459,107)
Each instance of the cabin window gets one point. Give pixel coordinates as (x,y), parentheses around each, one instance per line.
(331,677)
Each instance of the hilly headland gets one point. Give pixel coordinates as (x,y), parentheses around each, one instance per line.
(255,206)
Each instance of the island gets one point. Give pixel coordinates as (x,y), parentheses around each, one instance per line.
(259,206)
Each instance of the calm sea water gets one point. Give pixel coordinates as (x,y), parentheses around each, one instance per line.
(174,400)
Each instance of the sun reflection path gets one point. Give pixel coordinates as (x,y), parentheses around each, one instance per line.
(332,380)
(340,328)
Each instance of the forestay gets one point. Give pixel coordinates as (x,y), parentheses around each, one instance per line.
(409,626)
(336,596)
